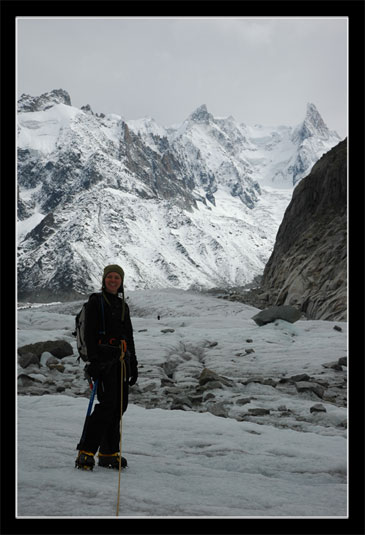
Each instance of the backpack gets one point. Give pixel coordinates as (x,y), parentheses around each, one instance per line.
(79,332)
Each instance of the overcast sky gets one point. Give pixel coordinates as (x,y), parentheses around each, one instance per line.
(259,70)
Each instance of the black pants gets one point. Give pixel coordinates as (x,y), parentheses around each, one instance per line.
(103,426)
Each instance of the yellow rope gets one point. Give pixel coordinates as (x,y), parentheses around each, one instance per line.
(122,376)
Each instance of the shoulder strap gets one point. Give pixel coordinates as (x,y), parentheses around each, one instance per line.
(102,313)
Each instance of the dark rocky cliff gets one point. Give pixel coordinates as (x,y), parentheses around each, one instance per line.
(308,266)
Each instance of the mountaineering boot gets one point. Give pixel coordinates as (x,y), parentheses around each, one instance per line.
(85,460)
(111,460)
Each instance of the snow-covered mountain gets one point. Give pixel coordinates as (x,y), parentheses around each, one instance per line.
(194,205)
(275,156)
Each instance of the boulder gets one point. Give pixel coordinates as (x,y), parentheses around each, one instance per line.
(208,375)
(334,365)
(318,407)
(58,348)
(181,402)
(218,409)
(259,379)
(27,359)
(49,360)
(306,386)
(195,398)
(242,401)
(25,380)
(258,412)
(300,377)
(285,312)
(52,365)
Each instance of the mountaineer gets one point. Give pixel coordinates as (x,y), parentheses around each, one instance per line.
(112,363)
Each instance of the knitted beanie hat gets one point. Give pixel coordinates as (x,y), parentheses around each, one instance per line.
(115,269)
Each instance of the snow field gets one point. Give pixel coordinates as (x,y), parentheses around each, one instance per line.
(191,463)
(180,464)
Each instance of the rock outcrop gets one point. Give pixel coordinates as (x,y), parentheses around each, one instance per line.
(57,348)
(286,313)
(308,266)
(43,102)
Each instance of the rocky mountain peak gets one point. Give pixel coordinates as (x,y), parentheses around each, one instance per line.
(27,103)
(313,120)
(201,115)
(87,109)
(313,125)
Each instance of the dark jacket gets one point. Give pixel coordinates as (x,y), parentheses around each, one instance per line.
(113,325)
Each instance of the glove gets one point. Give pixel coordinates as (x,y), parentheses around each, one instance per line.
(134,374)
(94,368)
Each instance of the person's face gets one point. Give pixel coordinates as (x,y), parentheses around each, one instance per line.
(112,282)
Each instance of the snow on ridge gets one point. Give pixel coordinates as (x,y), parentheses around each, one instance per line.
(146,125)
(39,130)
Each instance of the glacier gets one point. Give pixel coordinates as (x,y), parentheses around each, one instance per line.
(213,458)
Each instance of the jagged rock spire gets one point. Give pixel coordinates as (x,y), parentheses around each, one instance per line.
(43,102)
(201,114)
